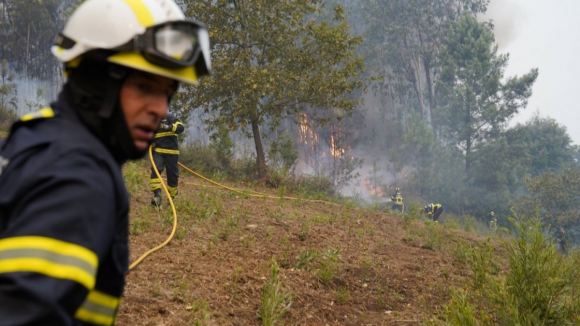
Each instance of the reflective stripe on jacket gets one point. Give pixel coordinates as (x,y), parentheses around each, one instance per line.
(63,224)
(166,141)
(434,208)
(397,198)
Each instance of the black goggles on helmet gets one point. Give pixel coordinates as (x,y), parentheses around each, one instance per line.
(174,44)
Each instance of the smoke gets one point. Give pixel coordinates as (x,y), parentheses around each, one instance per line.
(377,179)
(507,17)
(374,177)
(33,94)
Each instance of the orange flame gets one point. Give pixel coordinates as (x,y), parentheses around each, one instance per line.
(306,133)
(335,150)
(374,190)
(311,151)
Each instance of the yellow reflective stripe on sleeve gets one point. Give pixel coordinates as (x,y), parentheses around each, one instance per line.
(167,151)
(175,125)
(165,134)
(42,113)
(143,14)
(50,257)
(99,308)
(74,63)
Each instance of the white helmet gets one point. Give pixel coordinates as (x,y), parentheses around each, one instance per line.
(148,35)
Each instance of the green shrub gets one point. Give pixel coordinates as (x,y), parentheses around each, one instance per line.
(482,263)
(541,286)
(461,252)
(8,98)
(413,213)
(544,285)
(210,161)
(283,154)
(460,312)
(274,299)
(328,264)
(200,158)
(452,223)
(304,230)
(139,226)
(433,235)
(7,117)
(223,146)
(306,258)
(133,177)
(469,224)
(342,295)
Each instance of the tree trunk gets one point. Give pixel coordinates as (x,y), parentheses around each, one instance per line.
(260,157)
(468,144)
(27,48)
(431,95)
(468,160)
(418,86)
(415,66)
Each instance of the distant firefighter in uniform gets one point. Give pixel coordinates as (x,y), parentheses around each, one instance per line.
(397,201)
(492,221)
(562,240)
(166,155)
(434,211)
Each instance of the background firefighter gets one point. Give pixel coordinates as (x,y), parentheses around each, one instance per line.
(434,211)
(562,241)
(166,155)
(397,199)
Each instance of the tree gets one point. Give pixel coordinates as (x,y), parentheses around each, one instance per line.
(556,197)
(326,148)
(8,90)
(27,31)
(547,145)
(417,151)
(223,146)
(418,146)
(527,150)
(475,104)
(272,60)
(496,178)
(404,38)
(283,153)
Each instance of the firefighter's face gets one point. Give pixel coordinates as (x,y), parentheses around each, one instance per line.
(144,99)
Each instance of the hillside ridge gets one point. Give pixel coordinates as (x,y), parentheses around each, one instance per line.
(343,266)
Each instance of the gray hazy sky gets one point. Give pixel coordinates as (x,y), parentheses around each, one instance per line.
(543,34)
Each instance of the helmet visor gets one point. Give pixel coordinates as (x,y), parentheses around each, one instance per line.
(174,44)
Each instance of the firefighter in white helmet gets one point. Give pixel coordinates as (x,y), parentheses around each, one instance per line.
(63,203)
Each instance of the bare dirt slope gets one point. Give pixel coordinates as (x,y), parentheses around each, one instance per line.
(214,269)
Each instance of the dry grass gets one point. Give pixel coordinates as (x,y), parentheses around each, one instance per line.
(386,271)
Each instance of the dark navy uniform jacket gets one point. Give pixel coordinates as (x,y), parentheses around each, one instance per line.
(165,141)
(63,224)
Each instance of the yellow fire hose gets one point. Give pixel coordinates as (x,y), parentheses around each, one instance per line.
(172,208)
(251,194)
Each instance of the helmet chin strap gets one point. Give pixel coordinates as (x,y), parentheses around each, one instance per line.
(93,89)
(121,141)
(117,75)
